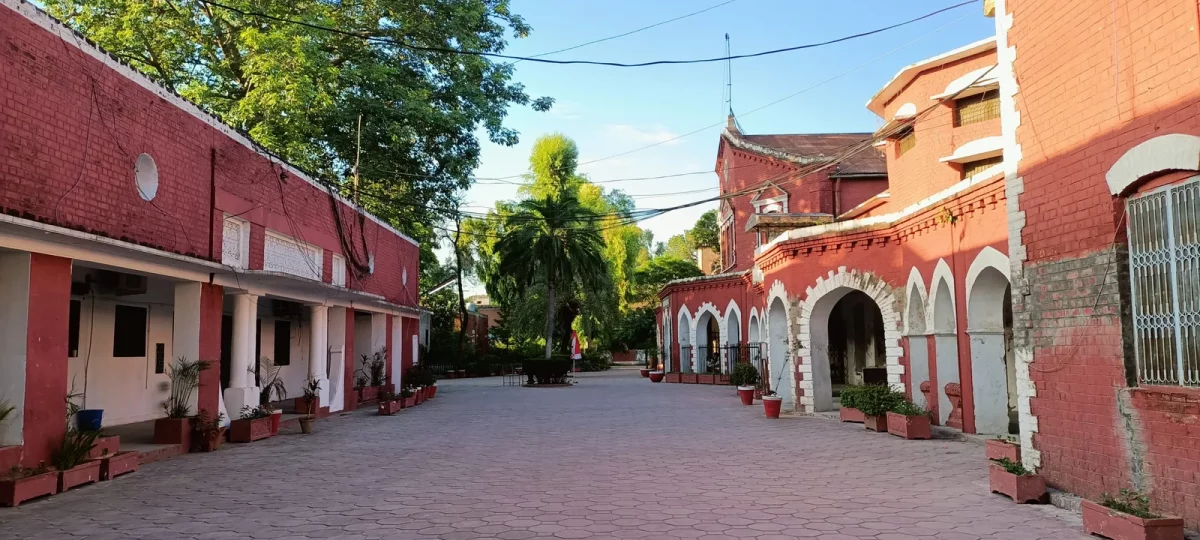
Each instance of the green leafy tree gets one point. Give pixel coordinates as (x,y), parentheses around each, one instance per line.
(652,276)
(679,247)
(705,234)
(552,240)
(326,101)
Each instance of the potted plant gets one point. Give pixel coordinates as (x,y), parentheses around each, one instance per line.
(388,404)
(254,424)
(1127,516)
(1012,479)
(365,393)
(306,424)
(909,420)
(745,377)
(71,459)
(118,463)
(875,400)
(772,403)
(408,399)
(208,432)
(1003,447)
(176,427)
(675,377)
(105,445)
(375,367)
(310,403)
(656,376)
(849,409)
(645,372)
(271,383)
(19,484)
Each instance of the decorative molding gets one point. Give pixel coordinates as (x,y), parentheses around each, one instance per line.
(1174,151)
(941,273)
(916,283)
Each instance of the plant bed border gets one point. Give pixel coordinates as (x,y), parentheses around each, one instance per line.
(1103,521)
(388,408)
(909,427)
(14,492)
(79,475)
(998,449)
(244,430)
(173,431)
(1021,489)
(114,465)
(875,423)
(850,414)
(111,443)
(674,377)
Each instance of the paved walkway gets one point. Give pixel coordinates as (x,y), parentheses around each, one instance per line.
(615,457)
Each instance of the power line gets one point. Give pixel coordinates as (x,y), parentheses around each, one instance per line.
(397,43)
(631,32)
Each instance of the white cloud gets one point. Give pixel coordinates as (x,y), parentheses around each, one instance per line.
(566,110)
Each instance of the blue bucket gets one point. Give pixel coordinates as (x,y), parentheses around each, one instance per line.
(89,419)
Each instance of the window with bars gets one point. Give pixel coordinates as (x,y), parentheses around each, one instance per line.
(907,140)
(972,168)
(1164,261)
(977,108)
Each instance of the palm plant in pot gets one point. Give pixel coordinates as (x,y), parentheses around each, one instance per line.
(306,424)
(745,377)
(1020,484)
(71,459)
(909,420)
(1127,516)
(271,384)
(208,432)
(176,427)
(310,403)
(875,400)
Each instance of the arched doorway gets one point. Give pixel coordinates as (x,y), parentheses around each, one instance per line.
(993,366)
(918,345)
(777,352)
(708,343)
(945,339)
(856,350)
(684,333)
(733,338)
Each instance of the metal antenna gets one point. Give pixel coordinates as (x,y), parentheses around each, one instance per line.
(728,76)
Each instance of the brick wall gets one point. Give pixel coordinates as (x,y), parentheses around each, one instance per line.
(72,126)
(854,191)
(1095,79)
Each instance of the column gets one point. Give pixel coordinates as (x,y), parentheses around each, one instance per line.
(33,351)
(197,335)
(242,391)
(336,324)
(348,402)
(390,375)
(318,346)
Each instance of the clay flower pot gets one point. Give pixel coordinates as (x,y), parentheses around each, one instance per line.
(105,446)
(746,394)
(998,449)
(87,473)
(14,492)
(306,405)
(909,427)
(876,423)
(645,372)
(388,408)
(772,405)
(114,465)
(432,391)
(850,414)
(249,430)
(1109,523)
(173,431)
(210,443)
(276,417)
(1021,489)
(306,424)
(656,376)
(410,401)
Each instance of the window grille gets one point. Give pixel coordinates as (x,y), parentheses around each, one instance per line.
(971,168)
(1164,260)
(977,108)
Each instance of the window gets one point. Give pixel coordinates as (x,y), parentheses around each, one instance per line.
(283,343)
(977,108)
(907,140)
(129,332)
(971,168)
(73,329)
(1164,277)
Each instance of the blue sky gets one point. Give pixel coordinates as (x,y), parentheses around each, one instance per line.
(613,110)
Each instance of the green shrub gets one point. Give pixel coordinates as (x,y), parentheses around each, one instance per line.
(1012,467)
(744,375)
(848,396)
(594,361)
(1130,502)
(876,399)
(552,371)
(908,408)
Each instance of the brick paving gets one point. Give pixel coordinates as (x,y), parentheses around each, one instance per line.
(615,457)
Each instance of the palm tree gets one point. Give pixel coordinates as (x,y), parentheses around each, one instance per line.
(555,239)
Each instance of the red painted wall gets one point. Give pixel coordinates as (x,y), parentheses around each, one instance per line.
(73,127)
(855,191)
(209,392)
(1094,81)
(46,357)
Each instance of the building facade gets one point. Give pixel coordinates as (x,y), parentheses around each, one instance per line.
(135,229)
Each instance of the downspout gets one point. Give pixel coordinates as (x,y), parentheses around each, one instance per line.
(212,202)
(837,198)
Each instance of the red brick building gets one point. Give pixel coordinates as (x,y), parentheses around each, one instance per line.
(136,229)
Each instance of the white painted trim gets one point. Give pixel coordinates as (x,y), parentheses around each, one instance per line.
(917,283)
(709,308)
(684,319)
(986,147)
(909,72)
(970,84)
(906,111)
(732,311)
(1174,151)
(988,257)
(782,199)
(941,273)
(69,36)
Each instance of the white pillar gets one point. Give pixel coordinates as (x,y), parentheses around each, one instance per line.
(14,326)
(318,335)
(336,322)
(241,391)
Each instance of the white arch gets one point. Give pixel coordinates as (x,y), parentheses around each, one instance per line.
(733,314)
(710,309)
(988,257)
(754,325)
(916,284)
(939,320)
(814,316)
(684,337)
(1174,151)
